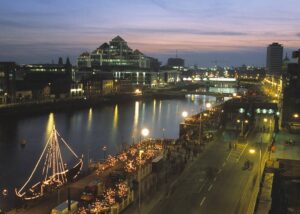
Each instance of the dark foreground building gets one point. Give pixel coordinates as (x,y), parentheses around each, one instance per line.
(7,82)
(291,96)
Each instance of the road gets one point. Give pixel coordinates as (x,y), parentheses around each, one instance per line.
(216,182)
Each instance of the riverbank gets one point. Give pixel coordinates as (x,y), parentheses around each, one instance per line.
(56,105)
(176,155)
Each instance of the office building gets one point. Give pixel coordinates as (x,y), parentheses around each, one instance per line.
(291,96)
(274,66)
(177,63)
(274,59)
(114,55)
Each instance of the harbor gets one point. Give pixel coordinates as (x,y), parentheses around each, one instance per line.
(112,126)
(124,179)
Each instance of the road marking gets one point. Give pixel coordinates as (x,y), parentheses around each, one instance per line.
(219,171)
(210,187)
(202,186)
(224,163)
(229,154)
(203,199)
(238,159)
(215,178)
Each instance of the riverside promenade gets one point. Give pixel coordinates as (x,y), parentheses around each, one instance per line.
(102,172)
(177,154)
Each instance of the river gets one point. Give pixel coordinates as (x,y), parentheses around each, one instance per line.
(87,131)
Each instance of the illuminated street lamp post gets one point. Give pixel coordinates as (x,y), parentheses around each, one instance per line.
(252,151)
(296,115)
(265,121)
(242,125)
(145,132)
(163,133)
(140,157)
(184,114)
(4,194)
(138,92)
(208,106)
(104,148)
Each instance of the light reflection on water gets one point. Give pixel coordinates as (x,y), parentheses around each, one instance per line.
(90,118)
(50,124)
(115,123)
(88,130)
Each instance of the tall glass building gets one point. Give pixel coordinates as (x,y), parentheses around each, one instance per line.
(115,53)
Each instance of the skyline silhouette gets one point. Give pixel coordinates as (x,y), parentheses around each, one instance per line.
(232,32)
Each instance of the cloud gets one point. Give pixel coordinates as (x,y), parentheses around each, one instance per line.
(12,24)
(298,34)
(160,4)
(4,23)
(165,30)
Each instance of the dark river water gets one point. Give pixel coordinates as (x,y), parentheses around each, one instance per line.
(87,131)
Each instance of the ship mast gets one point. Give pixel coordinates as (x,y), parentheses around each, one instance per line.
(54,172)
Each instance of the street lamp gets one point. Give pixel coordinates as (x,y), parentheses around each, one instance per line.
(104,148)
(208,106)
(140,157)
(265,121)
(296,115)
(242,123)
(163,132)
(138,91)
(252,151)
(184,114)
(4,192)
(145,132)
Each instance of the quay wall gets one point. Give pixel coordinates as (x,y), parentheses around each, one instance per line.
(40,107)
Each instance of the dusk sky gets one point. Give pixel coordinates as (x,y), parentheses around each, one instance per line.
(233,32)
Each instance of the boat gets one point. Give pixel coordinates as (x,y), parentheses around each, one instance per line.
(54,173)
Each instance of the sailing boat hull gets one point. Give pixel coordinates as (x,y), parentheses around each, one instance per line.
(51,184)
(54,173)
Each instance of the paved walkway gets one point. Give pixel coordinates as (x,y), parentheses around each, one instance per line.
(286,151)
(165,190)
(282,151)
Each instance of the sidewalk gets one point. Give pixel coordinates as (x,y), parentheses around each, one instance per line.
(164,189)
(284,151)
